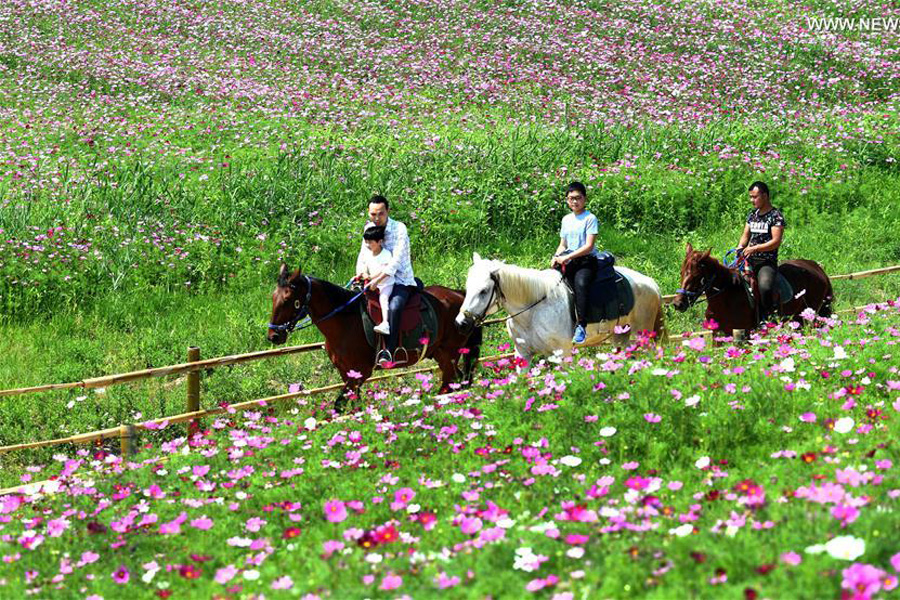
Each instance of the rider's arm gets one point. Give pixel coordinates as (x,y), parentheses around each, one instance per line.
(584,250)
(400,253)
(361,261)
(773,244)
(559,250)
(745,237)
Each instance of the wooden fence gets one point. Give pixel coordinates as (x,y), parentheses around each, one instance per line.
(128,432)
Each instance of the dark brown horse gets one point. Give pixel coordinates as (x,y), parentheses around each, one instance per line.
(335,311)
(727,300)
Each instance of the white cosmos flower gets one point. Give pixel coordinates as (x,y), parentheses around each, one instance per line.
(310,423)
(608,431)
(839,353)
(683,530)
(843,425)
(702,462)
(845,547)
(570,461)
(692,400)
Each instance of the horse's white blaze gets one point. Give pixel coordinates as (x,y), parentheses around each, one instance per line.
(548,325)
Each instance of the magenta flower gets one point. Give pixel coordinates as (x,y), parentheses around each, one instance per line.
(335,511)
(808,417)
(121,575)
(652,418)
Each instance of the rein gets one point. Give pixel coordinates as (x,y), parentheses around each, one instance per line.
(479,319)
(301,310)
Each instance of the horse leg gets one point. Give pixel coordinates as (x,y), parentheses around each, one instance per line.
(447,364)
(470,359)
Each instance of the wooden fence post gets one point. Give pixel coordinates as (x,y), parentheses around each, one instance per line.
(126,440)
(193,389)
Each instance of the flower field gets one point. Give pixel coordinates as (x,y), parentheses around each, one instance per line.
(183,144)
(762,470)
(160,159)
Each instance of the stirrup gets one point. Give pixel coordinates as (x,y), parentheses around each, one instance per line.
(383,357)
(397,360)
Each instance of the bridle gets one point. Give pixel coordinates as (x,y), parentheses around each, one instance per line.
(495,291)
(301,309)
(705,286)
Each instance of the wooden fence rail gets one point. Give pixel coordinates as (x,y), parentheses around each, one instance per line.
(127,432)
(187,367)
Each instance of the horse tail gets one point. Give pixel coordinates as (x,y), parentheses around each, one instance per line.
(470,359)
(659,324)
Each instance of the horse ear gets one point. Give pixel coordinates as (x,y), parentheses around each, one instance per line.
(476,257)
(707,253)
(283,272)
(299,268)
(690,249)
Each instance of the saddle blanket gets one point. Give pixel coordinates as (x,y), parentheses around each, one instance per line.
(611,296)
(419,320)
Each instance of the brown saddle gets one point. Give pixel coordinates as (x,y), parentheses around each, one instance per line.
(409,319)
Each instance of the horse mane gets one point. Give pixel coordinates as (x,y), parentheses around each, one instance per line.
(731,272)
(521,285)
(334,293)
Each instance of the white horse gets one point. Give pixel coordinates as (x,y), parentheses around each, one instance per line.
(541,307)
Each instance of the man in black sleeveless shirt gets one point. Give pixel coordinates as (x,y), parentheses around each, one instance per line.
(760,241)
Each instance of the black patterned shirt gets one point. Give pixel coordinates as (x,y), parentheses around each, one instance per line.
(761,232)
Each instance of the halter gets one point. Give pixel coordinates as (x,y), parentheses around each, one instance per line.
(300,309)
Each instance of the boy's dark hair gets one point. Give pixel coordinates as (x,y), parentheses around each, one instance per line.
(577,186)
(759,185)
(375,233)
(379,199)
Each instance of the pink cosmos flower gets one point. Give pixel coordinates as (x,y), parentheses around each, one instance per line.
(283,583)
(863,579)
(390,582)
(652,418)
(335,511)
(470,525)
(332,546)
(225,574)
(402,498)
(808,417)
(203,523)
(791,558)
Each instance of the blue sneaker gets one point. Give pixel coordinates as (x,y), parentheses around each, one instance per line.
(580,335)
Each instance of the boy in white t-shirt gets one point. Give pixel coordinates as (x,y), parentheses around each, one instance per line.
(374,263)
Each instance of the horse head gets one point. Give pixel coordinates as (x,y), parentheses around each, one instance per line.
(697,274)
(290,303)
(482,294)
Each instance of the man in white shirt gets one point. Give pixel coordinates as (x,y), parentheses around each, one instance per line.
(396,240)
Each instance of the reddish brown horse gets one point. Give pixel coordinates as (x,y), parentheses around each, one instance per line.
(335,311)
(727,300)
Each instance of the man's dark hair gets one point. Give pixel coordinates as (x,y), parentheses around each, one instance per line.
(379,199)
(577,186)
(759,185)
(374,233)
